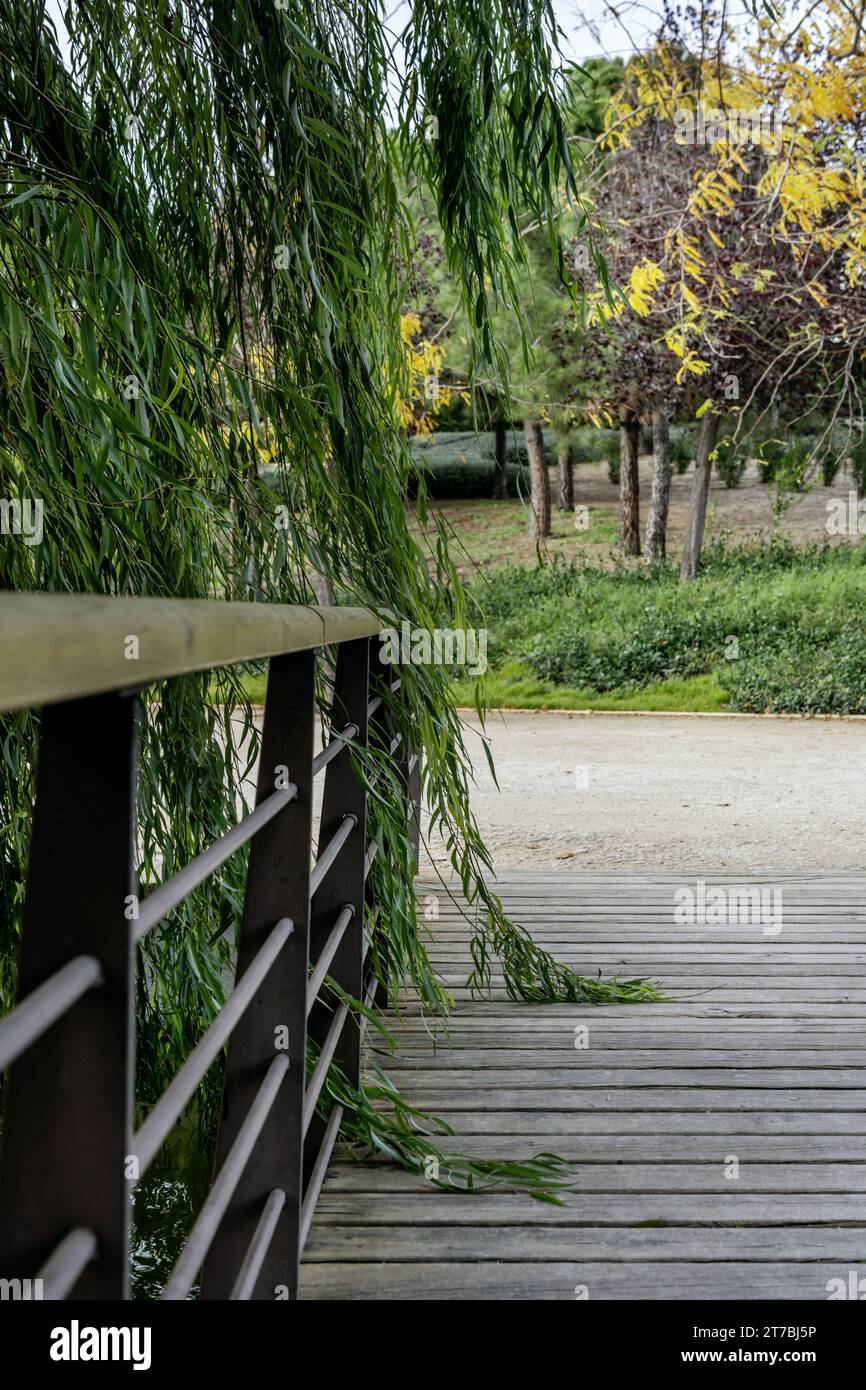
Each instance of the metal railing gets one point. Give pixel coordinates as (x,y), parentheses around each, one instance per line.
(69,1153)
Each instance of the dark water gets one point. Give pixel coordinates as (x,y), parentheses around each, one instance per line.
(166,1202)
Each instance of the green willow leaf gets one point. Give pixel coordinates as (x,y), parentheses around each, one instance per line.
(202,268)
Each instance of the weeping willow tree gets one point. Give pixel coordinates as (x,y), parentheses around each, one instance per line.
(203,250)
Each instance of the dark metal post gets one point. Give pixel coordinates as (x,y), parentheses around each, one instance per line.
(380,731)
(409,770)
(344,794)
(413,792)
(278,885)
(69,1116)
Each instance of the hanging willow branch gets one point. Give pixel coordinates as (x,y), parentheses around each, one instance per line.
(201,236)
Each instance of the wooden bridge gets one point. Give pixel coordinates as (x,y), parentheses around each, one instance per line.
(716,1140)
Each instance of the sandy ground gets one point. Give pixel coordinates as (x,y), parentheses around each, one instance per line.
(739,513)
(649,792)
(495,533)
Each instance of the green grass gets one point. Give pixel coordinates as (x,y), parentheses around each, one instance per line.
(603,527)
(491,535)
(763,628)
(515,687)
(493,541)
(255,685)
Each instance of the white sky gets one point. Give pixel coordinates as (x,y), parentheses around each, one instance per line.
(619,30)
(613,28)
(616,28)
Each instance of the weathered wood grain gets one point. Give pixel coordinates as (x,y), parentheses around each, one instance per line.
(758,1054)
(624,1244)
(570,1281)
(637,1177)
(435,1208)
(416,1056)
(447,1096)
(511,1140)
(684,1122)
(698,1080)
(62,646)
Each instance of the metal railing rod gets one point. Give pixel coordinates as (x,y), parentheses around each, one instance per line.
(329,949)
(66,1264)
(372,851)
(208,1220)
(167,896)
(317,1080)
(371,992)
(317,1177)
(258,1246)
(323,864)
(169,1107)
(395,743)
(413,762)
(49,1001)
(336,745)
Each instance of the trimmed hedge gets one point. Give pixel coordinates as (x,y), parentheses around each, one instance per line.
(463,464)
(457,479)
(771,622)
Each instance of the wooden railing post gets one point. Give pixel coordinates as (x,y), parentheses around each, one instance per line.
(69,1115)
(344,795)
(383,727)
(411,772)
(380,731)
(278,886)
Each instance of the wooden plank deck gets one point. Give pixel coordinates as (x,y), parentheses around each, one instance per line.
(759,1056)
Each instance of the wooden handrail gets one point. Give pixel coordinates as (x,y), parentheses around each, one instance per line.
(65,1170)
(66,646)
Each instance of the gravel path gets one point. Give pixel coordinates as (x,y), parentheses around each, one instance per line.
(649,792)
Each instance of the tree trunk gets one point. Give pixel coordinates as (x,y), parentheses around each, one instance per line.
(539,504)
(657,521)
(566,479)
(700,495)
(323,588)
(500,477)
(629,486)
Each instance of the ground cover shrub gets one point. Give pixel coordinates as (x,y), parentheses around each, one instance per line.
(772,624)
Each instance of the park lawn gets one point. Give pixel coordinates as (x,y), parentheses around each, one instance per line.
(255,686)
(487,535)
(514,686)
(764,628)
